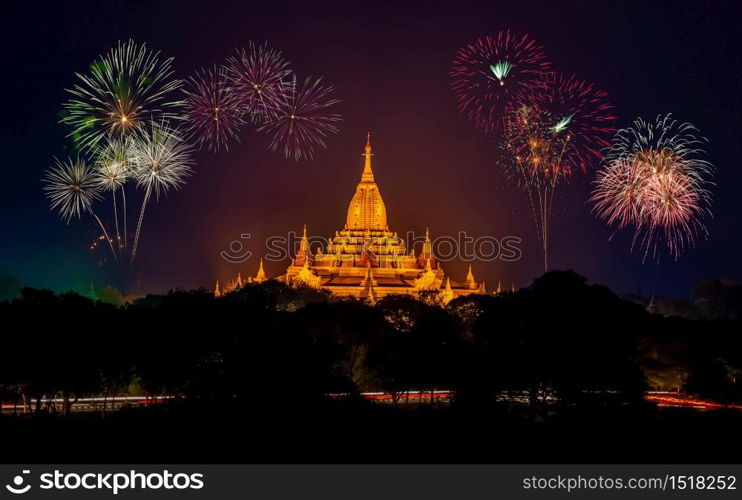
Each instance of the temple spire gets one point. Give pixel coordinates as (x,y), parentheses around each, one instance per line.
(470,281)
(368,173)
(427,245)
(304,245)
(260,277)
(366,209)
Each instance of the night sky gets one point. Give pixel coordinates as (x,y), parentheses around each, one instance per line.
(389,63)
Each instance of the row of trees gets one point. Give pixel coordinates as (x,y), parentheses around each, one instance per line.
(557,343)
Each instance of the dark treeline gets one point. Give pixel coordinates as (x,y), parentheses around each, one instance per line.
(557,341)
(554,349)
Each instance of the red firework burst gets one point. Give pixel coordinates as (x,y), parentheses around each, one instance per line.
(301,120)
(580,113)
(213,111)
(493,73)
(257,75)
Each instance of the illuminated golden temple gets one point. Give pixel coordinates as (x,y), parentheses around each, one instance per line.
(366,260)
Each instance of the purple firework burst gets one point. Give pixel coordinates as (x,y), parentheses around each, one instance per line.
(213,111)
(302,121)
(257,75)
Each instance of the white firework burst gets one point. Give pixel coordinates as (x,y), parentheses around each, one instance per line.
(71,188)
(161,161)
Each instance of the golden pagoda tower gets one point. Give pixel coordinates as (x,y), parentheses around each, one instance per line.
(260,277)
(367,260)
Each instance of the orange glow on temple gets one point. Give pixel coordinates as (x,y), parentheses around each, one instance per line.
(366,259)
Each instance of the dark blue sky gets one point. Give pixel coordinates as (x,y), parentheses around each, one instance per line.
(388,62)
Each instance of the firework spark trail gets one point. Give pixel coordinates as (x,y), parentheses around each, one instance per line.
(161,162)
(72,188)
(257,75)
(493,73)
(553,131)
(537,151)
(125,88)
(521,145)
(214,110)
(654,180)
(112,170)
(302,120)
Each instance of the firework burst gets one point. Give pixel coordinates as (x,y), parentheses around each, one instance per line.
(112,171)
(213,110)
(161,161)
(113,163)
(579,114)
(72,188)
(535,147)
(125,88)
(257,76)
(493,73)
(618,188)
(302,121)
(655,180)
(553,131)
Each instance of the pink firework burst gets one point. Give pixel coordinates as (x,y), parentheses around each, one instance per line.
(617,193)
(302,121)
(213,110)
(654,180)
(672,202)
(493,73)
(257,75)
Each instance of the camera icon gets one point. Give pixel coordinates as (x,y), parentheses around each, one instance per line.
(17,486)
